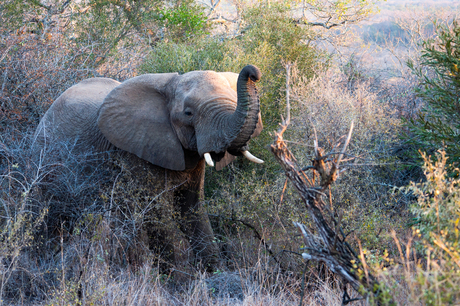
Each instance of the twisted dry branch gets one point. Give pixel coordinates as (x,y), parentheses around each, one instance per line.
(329,246)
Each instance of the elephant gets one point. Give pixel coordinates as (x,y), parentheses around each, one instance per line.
(170,123)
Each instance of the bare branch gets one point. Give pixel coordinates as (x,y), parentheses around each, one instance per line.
(288,105)
(345,144)
(324,24)
(212,7)
(5,53)
(328,246)
(222,19)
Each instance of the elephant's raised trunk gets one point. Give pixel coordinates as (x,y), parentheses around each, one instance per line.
(244,120)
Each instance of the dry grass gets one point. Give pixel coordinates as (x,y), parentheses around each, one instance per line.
(147,287)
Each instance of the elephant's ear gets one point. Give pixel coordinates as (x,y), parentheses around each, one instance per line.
(134,117)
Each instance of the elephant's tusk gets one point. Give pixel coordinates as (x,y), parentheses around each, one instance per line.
(208,159)
(252,157)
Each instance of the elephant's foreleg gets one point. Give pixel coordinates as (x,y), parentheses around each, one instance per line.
(194,219)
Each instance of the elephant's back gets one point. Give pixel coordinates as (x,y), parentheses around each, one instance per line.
(82,99)
(73,116)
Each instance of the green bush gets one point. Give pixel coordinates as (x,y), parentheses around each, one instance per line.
(183,21)
(202,54)
(438,124)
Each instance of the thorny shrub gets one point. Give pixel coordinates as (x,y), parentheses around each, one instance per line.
(363,192)
(63,212)
(34,71)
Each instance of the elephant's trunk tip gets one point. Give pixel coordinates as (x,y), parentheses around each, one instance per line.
(252,72)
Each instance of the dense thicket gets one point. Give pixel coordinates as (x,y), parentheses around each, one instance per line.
(67,235)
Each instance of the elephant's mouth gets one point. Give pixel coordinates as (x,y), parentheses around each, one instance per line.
(210,157)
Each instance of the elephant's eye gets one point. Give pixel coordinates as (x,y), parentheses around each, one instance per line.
(188,113)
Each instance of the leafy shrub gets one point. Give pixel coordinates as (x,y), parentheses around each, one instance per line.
(438,123)
(183,21)
(202,54)
(438,204)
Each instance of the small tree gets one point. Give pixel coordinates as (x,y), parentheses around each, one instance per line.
(438,123)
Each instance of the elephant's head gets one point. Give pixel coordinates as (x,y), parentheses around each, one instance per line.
(174,120)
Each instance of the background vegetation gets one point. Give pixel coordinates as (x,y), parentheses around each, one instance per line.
(69,226)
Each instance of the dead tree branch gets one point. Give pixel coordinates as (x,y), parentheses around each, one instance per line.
(328,245)
(327,25)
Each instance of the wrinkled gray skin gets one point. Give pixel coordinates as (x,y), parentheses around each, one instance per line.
(168,120)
